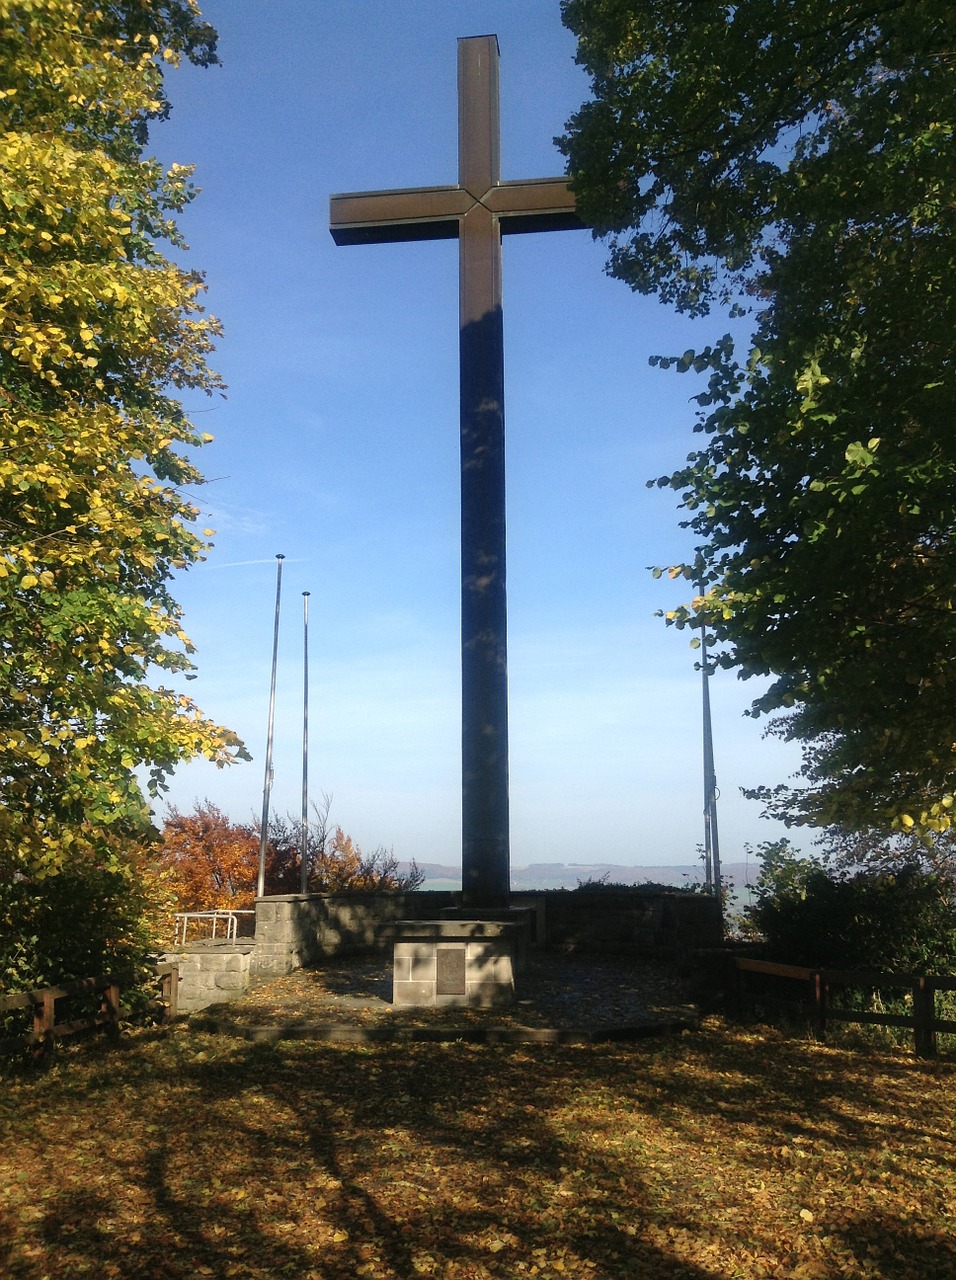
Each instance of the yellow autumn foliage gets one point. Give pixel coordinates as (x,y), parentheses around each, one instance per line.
(98,331)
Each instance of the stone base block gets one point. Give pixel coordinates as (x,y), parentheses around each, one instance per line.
(524,935)
(449,963)
(211,972)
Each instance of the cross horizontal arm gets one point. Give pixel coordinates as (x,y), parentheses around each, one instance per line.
(535,204)
(434,213)
(382,217)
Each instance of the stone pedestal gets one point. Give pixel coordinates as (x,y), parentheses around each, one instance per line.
(444,963)
(522,918)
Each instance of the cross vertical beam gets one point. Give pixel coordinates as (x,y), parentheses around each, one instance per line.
(478,210)
(485,857)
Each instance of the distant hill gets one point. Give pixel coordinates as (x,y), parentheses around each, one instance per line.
(568,875)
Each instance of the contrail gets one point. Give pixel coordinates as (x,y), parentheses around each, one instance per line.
(240,564)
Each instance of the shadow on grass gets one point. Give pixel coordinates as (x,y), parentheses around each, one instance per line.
(802,1090)
(192,1156)
(436,1159)
(895,1250)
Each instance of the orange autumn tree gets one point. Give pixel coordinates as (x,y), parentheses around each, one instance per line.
(209,862)
(342,867)
(335,863)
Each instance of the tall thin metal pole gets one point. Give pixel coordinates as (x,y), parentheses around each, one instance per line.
(267,783)
(711,839)
(304,830)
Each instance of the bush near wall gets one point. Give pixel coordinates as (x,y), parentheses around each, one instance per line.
(901,920)
(90,919)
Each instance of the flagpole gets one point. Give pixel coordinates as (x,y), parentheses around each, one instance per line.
(267,782)
(711,839)
(304,828)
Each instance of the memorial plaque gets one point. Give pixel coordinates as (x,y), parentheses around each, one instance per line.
(451,971)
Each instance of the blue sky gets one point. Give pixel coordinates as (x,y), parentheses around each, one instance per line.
(337,446)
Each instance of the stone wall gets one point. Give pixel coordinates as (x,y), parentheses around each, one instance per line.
(292,932)
(211,972)
(659,924)
(298,930)
(301,929)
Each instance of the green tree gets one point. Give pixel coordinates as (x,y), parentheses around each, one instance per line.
(796,159)
(98,334)
(846,850)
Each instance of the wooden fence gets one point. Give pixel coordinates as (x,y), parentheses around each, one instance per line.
(817,999)
(46,1030)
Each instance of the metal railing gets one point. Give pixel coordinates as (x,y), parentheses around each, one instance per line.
(230,919)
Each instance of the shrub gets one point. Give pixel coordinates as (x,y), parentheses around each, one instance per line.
(92,918)
(603,884)
(808,913)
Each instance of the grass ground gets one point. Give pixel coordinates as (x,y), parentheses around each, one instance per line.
(720,1153)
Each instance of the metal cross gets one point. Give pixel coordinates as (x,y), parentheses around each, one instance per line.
(477,210)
